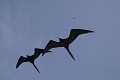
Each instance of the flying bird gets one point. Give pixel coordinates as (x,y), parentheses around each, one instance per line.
(74,33)
(31,58)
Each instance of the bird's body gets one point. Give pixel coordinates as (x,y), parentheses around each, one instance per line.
(31,58)
(74,33)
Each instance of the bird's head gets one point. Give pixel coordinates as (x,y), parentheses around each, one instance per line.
(59,38)
(27,55)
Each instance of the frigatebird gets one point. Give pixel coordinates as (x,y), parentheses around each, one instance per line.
(74,33)
(31,59)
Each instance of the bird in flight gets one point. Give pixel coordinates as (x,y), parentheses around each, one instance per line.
(31,59)
(74,33)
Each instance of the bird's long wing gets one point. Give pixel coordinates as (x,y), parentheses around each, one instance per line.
(51,44)
(20,61)
(67,48)
(74,33)
(37,53)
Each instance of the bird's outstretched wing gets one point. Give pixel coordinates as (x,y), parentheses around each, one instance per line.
(67,48)
(74,33)
(20,61)
(37,52)
(51,44)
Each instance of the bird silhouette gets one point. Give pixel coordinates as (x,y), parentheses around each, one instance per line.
(74,33)
(31,58)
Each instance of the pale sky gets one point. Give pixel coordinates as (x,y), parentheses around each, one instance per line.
(29,24)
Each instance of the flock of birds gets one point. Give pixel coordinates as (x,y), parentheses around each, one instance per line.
(74,33)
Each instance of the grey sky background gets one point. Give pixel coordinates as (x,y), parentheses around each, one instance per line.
(29,24)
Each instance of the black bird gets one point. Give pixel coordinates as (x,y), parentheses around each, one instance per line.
(31,58)
(74,33)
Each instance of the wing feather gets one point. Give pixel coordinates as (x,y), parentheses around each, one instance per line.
(37,53)
(20,61)
(74,33)
(52,44)
(70,53)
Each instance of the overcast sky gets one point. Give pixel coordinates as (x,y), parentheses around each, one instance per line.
(29,24)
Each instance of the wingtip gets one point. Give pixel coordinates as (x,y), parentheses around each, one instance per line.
(89,31)
(93,31)
(43,54)
(39,72)
(74,59)
(16,67)
(36,67)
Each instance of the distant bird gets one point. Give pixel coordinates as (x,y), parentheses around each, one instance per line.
(74,33)
(74,18)
(31,58)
